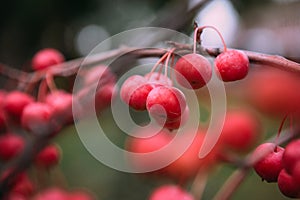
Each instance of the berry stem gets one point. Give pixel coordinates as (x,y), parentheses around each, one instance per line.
(215,29)
(167,61)
(50,81)
(199,184)
(158,63)
(280,129)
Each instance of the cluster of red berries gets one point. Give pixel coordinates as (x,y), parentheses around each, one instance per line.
(281,165)
(23,116)
(155,92)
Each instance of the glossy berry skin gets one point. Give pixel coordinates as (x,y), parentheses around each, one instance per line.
(11,145)
(46,58)
(15,102)
(194,71)
(291,155)
(240,132)
(48,157)
(287,185)
(2,115)
(134,92)
(61,104)
(36,117)
(170,192)
(166,102)
(232,65)
(269,163)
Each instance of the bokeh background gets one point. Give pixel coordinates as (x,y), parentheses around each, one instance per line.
(76,27)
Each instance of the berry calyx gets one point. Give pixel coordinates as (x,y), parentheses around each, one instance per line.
(46,58)
(48,157)
(193,71)
(10,146)
(166,103)
(269,161)
(232,65)
(170,192)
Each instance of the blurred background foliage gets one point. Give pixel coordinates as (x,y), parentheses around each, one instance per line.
(75,27)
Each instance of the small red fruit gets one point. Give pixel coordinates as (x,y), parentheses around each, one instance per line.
(240,132)
(135,90)
(99,74)
(36,117)
(61,103)
(170,192)
(51,194)
(291,155)
(105,95)
(232,65)
(48,157)
(79,195)
(10,146)
(194,71)
(15,102)
(46,58)
(287,185)
(165,102)
(269,161)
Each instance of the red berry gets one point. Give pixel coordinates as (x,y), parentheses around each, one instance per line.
(135,90)
(23,186)
(48,157)
(10,146)
(296,173)
(148,144)
(105,95)
(194,71)
(240,132)
(232,65)
(170,192)
(36,117)
(287,185)
(291,155)
(46,58)
(2,115)
(15,102)
(269,163)
(189,163)
(61,103)
(52,194)
(166,103)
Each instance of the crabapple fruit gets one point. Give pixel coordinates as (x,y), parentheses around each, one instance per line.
(232,65)
(269,161)
(36,117)
(135,90)
(15,102)
(170,192)
(166,102)
(240,132)
(11,145)
(46,58)
(48,157)
(193,71)
(291,155)
(287,185)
